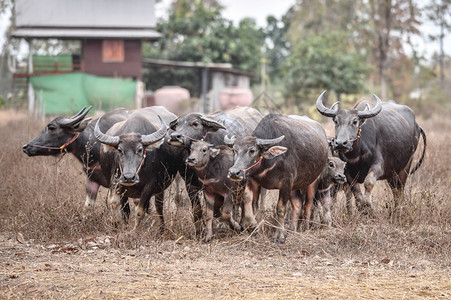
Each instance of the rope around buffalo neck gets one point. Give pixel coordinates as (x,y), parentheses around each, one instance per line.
(203,138)
(61,148)
(259,161)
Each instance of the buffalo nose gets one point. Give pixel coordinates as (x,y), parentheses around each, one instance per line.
(175,135)
(190,159)
(234,174)
(340,177)
(25,148)
(129,177)
(341,143)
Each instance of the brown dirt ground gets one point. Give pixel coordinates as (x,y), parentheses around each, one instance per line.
(92,268)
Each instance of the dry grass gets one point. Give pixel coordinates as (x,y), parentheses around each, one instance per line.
(47,249)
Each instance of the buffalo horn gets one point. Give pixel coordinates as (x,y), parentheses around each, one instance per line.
(371,112)
(74,119)
(105,138)
(157,135)
(269,142)
(328,112)
(335,104)
(229,141)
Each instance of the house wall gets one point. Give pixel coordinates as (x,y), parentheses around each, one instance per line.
(92,60)
(221,80)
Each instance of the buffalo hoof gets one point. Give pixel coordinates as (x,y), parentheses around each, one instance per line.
(279,237)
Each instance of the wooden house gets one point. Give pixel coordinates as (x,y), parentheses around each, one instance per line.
(110,31)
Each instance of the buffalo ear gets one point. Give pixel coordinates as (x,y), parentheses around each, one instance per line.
(79,127)
(155,145)
(274,151)
(212,124)
(173,124)
(214,152)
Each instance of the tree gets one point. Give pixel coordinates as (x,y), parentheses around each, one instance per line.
(277,46)
(323,49)
(195,31)
(326,61)
(390,22)
(439,11)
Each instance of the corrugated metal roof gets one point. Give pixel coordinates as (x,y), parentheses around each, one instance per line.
(85,33)
(85,13)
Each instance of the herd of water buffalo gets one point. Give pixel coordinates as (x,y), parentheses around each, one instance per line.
(234,155)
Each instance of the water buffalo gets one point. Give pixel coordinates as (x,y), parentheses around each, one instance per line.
(377,143)
(283,153)
(137,161)
(211,164)
(331,176)
(76,135)
(238,121)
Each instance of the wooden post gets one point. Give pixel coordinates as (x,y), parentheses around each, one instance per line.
(31,99)
(204,88)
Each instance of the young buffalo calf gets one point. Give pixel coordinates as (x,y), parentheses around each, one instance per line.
(211,165)
(332,175)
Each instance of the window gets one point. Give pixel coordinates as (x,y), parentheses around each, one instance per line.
(113,50)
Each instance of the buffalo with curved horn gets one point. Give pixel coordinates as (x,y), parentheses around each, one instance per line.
(212,128)
(137,161)
(377,143)
(75,135)
(285,153)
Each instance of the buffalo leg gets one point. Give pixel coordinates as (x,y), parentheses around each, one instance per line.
(92,188)
(143,204)
(193,186)
(248,217)
(397,184)
(281,210)
(370,180)
(159,209)
(325,202)
(296,202)
(209,212)
(227,211)
(310,195)
(115,202)
(193,193)
(348,189)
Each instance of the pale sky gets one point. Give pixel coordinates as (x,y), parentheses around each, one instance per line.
(236,10)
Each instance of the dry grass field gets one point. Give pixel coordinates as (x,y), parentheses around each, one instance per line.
(47,250)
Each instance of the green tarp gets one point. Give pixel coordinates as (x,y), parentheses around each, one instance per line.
(68,93)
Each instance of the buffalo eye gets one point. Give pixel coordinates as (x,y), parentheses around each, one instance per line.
(195,124)
(51,127)
(251,151)
(331,165)
(119,150)
(355,122)
(335,122)
(140,151)
(204,150)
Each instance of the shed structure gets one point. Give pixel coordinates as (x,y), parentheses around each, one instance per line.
(110,31)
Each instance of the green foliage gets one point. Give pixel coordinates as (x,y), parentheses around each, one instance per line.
(326,62)
(195,31)
(277,44)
